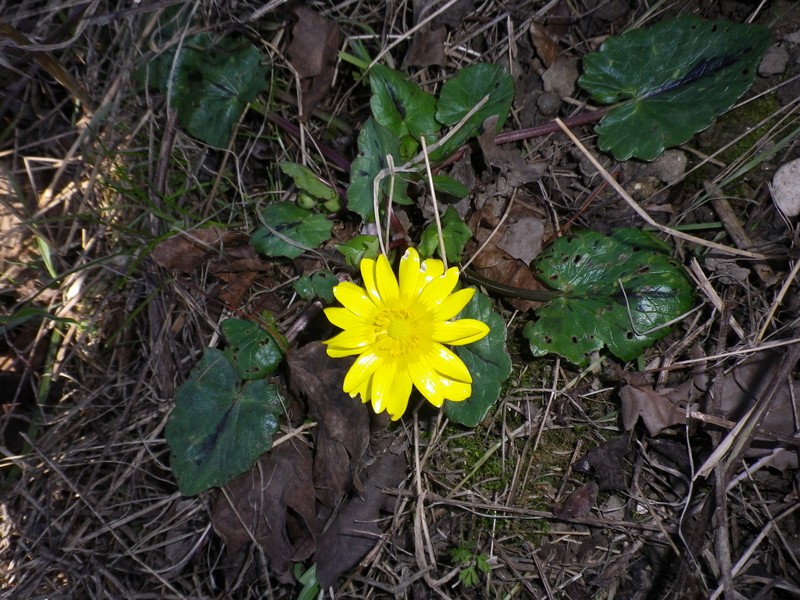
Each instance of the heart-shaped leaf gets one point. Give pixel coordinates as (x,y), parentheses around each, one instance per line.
(463,92)
(673,79)
(401,107)
(619,291)
(218,429)
(487,360)
(289,230)
(375,143)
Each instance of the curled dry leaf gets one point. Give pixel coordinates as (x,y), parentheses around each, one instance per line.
(511,164)
(545,43)
(606,462)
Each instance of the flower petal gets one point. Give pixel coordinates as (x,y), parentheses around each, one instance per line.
(368,275)
(427,381)
(446,363)
(456,391)
(354,298)
(344,318)
(336,352)
(385,279)
(411,279)
(432,268)
(459,333)
(352,338)
(402,386)
(383,386)
(364,367)
(437,290)
(453,304)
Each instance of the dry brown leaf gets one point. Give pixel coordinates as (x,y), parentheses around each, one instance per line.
(427,47)
(188,250)
(578,503)
(606,462)
(355,530)
(312,52)
(511,164)
(342,433)
(274,506)
(545,44)
(656,411)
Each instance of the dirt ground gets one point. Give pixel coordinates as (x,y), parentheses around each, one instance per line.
(124,241)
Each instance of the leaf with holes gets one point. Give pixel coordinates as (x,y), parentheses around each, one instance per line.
(319,284)
(620,291)
(487,360)
(219,428)
(251,349)
(672,79)
(290,230)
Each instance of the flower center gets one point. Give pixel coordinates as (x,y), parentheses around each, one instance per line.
(399,329)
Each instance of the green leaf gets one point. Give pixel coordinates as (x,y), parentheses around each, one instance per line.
(487,360)
(319,285)
(375,143)
(461,93)
(305,179)
(213,82)
(290,230)
(619,292)
(469,576)
(451,187)
(251,349)
(455,233)
(217,429)
(401,107)
(361,246)
(673,78)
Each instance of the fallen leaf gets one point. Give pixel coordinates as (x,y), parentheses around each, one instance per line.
(427,47)
(511,163)
(578,503)
(656,411)
(606,462)
(272,505)
(188,250)
(356,529)
(312,52)
(545,44)
(342,433)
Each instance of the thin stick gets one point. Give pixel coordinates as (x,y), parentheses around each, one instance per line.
(442,251)
(784,288)
(641,212)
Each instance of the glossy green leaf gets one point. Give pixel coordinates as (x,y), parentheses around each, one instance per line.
(213,80)
(218,429)
(402,107)
(619,291)
(487,360)
(305,179)
(463,92)
(375,143)
(673,80)
(455,233)
(449,186)
(290,230)
(361,246)
(252,350)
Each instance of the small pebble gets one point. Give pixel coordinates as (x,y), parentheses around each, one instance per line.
(774,61)
(548,103)
(786,188)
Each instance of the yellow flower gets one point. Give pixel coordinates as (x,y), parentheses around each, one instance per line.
(398,331)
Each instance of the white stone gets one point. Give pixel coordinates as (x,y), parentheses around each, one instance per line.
(786,188)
